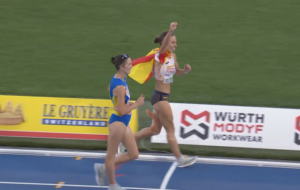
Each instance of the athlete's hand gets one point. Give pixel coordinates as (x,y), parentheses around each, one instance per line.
(173,26)
(130,103)
(187,68)
(140,100)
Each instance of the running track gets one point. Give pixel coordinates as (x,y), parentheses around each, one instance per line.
(29,169)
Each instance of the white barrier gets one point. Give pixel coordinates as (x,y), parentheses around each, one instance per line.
(152,157)
(235,126)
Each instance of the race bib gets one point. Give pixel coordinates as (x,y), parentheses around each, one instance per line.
(168,79)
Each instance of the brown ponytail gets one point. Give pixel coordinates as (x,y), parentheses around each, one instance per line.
(112,60)
(118,60)
(160,38)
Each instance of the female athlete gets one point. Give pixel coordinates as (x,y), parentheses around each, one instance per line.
(165,66)
(119,131)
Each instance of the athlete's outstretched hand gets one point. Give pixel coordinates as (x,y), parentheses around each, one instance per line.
(187,68)
(173,26)
(140,100)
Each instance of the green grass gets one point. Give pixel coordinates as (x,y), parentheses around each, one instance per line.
(241,52)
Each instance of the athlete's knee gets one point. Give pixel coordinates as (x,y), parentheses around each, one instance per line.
(133,155)
(156,130)
(110,157)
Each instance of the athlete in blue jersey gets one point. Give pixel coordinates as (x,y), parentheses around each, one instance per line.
(119,131)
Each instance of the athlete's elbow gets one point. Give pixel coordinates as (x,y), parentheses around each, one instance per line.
(178,73)
(121,112)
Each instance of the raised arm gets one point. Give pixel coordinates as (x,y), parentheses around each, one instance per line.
(166,39)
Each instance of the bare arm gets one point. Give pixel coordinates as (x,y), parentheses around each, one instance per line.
(122,108)
(164,45)
(130,103)
(166,40)
(179,71)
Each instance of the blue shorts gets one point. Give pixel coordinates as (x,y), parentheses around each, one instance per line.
(124,119)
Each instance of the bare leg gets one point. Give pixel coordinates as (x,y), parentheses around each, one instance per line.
(154,129)
(132,149)
(116,133)
(165,116)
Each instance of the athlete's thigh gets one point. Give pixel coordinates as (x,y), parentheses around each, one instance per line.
(158,124)
(165,115)
(116,133)
(129,141)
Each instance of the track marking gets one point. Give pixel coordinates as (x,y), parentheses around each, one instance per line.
(168,176)
(156,158)
(59,184)
(70,185)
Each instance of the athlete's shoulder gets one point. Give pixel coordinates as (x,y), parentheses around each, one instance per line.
(120,88)
(115,82)
(114,79)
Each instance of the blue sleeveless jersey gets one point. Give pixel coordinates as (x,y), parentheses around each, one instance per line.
(114,82)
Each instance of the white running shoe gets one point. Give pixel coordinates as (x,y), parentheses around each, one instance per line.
(99,173)
(121,149)
(116,187)
(185,161)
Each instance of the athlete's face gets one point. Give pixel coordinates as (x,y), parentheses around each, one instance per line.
(172,44)
(126,67)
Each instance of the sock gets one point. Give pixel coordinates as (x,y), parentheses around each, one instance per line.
(180,158)
(112,185)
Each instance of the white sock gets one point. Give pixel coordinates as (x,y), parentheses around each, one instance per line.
(180,158)
(103,167)
(112,185)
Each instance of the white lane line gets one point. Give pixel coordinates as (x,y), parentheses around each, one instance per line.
(168,176)
(70,185)
(156,158)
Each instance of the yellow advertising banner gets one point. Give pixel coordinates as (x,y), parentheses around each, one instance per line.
(67,118)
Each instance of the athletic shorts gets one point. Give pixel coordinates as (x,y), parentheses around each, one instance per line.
(124,119)
(157,96)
